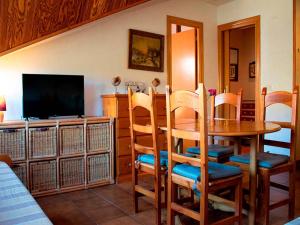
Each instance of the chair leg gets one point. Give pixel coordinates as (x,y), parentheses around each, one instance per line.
(166,189)
(192,196)
(265,198)
(172,194)
(238,198)
(157,187)
(292,193)
(135,194)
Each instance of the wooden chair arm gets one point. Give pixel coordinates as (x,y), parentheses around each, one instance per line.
(6,159)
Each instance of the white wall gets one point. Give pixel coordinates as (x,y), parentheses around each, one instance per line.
(276,37)
(99,51)
(276,46)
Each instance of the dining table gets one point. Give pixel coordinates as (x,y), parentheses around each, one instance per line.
(235,130)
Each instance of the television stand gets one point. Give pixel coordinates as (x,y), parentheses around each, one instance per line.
(59,155)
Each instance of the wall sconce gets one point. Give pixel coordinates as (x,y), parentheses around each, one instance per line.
(2,108)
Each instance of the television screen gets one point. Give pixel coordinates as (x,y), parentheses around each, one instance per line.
(47,95)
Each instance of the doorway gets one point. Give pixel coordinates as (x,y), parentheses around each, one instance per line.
(185,52)
(185,59)
(239,64)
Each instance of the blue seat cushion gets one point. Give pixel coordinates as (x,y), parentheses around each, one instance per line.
(213,150)
(265,159)
(215,171)
(149,158)
(294,222)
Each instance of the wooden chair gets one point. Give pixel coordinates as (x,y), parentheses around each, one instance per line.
(196,173)
(273,164)
(217,152)
(226,98)
(145,159)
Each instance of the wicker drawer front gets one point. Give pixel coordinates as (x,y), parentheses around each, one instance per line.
(98,137)
(12,142)
(43,176)
(42,142)
(71,140)
(98,168)
(21,172)
(72,172)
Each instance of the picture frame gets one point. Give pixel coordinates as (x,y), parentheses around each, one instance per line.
(234,64)
(252,69)
(233,72)
(146,51)
(234,56)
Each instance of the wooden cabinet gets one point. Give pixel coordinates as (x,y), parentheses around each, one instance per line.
(53,156)
(116,106)
(248,110)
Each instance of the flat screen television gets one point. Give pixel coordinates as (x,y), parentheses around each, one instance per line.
(46,95)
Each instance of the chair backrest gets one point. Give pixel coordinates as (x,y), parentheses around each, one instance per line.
(141,100)
(290,100)
(227,98)
(196,101)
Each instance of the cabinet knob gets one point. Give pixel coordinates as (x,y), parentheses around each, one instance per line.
(129,146)
(129,164)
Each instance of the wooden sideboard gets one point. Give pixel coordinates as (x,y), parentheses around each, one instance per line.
(116,106)
(53,156)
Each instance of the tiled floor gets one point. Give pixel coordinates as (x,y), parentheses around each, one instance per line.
(112,205)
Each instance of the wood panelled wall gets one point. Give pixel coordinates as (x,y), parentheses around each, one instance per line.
(23,22)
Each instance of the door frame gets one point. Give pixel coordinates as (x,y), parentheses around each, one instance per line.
(296,76)
(251,21)
(199,51)
(294,44)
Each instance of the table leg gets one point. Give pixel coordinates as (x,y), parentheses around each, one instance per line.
(237,145)
(253,178)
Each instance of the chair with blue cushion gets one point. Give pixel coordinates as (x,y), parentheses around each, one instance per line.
(146,159)
(218,152)
(197,174)
(272,164)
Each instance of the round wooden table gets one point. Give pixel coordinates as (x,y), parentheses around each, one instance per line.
(229,128)
(237,129)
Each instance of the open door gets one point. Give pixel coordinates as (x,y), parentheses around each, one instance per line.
(185,59)
(182,34)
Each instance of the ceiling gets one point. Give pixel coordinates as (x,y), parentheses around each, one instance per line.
(24,22)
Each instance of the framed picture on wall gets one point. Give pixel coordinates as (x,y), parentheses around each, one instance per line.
(234,64)
(252,69)
(233,72)
(146,51)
